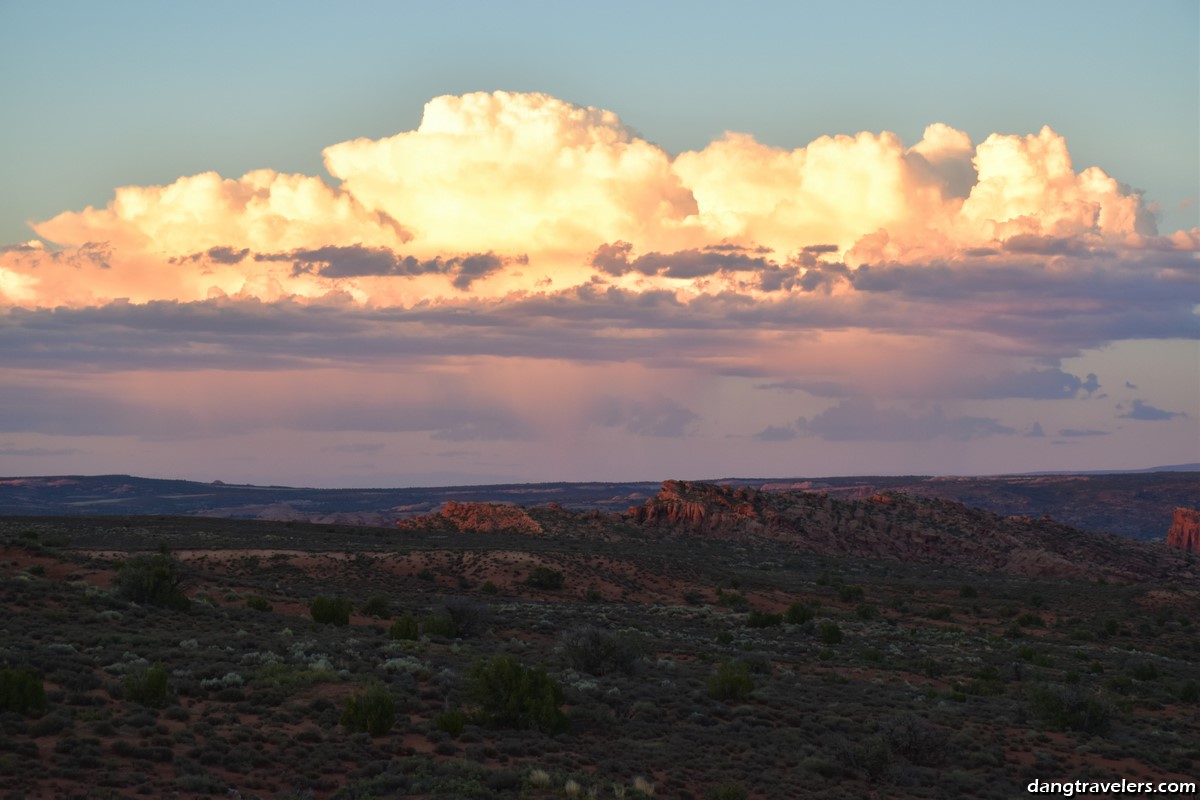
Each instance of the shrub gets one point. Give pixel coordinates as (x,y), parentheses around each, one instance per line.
(544,578)
(848,594)
(1145,671)
(730,681)
(829,633)
(968,591)
(798,613)
(372,711)
(330,610)
(377,606)
(916,740)
(152,579)
(597,651)
(1071,708)
(21,691)
(439,625)
(867,611)
(468,617)
(148,687)
(405,628)
(728,791)
(452,722)
(258,603)
(763,619)
(1030,620)
(489,588)
(514,696)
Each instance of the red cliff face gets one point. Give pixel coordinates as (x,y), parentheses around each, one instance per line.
(480,518)
(1185,530)
(698,506)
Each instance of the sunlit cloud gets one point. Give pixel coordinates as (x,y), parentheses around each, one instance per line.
(540,273)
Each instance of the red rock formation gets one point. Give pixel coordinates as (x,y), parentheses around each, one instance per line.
(479,518)
(699,507)
(1185,530)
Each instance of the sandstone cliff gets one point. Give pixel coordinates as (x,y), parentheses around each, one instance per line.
(478,518)
(1185,530)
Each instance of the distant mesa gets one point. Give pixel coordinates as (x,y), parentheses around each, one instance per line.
(1185,530)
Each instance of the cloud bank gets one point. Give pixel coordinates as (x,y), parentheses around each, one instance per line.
(854,289)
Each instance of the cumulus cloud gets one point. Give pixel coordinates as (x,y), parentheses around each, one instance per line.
(505,175)
(522,227)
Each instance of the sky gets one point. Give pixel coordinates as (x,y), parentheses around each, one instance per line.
(382,244)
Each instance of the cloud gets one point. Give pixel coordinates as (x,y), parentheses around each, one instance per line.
(658,417)
(1144,411)
(862,420)
(1036,431)
(357,261)
(614,259)
(1049,384)
(1081,432)
(490,183)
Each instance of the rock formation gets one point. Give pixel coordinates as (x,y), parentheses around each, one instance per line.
(478,518)
(1185,530)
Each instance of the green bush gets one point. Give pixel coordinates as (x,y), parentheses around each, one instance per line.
(728,791)
(514,696)
(730,681)
(377,606)
(258,603)
(867,611)
(829,633)
(544,578)
(21,691)
(372,711)
(968,591)
(1029,620)
(439,625)
(152,579)
(1071,708)
(452,722)
(405,627)
(798,613)
(330,610)
(489,588)
(848,594)
(148,687)
(591,649)
(763,619)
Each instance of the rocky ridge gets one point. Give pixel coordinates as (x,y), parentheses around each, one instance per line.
(887,525)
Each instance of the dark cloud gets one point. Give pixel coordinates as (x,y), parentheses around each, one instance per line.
(777,433)
(40,452)
(1047,384)
(863,421)
(1075,433)
(614,259)
(358,261)
(1144,411)
(659,417)
(1036,431)
(815,388)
